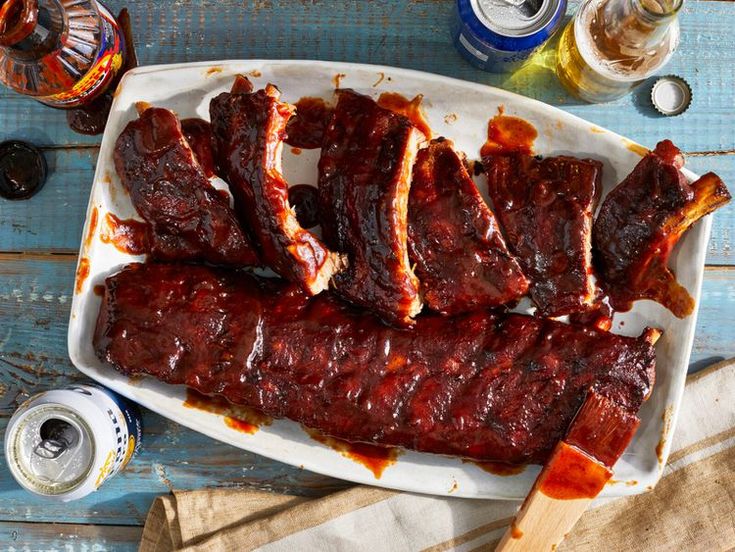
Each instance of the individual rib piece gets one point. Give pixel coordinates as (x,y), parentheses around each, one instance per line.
(248,131)
(364,180)
(198,133)
(485,386)
(641,221)
(545,208)
(454,241)
(189,220)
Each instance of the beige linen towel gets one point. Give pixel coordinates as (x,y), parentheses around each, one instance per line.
(692,507)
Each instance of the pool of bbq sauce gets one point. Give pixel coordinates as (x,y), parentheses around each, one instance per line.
(498,468)
(411,109)
(126,235)
(248,420)
(508,134)
(240,418)
(373,457)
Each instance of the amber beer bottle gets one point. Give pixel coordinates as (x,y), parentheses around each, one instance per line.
(611,46)
(64,53)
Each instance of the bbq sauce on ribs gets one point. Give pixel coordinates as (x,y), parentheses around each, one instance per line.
(306,128)
(189,220)
(641,221)
(248,131)
(545,208)
(486,386)
(454,241)
(364,179)
(198,134)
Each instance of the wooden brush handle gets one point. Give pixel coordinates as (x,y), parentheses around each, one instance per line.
(570,480)
(542,523)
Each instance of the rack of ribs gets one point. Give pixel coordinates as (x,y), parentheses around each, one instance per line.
(641,221)
(545,208)
(248,129)
(364,180)
(483,385)
(188,219)
(454,241)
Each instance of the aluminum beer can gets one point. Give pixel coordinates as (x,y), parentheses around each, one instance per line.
(500,35)
(64,444)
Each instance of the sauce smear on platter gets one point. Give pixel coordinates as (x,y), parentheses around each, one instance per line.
(498,468)
(411,109)
(240,418)
(127,235)
(507,134)
(373,457)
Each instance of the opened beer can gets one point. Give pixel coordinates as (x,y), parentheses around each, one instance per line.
(64,444)
(500,35)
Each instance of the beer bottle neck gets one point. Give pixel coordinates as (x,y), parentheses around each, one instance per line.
(639,24)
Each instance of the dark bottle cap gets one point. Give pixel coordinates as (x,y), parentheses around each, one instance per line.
(22,170)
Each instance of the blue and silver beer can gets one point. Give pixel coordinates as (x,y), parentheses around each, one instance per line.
(500,35)
(63,444)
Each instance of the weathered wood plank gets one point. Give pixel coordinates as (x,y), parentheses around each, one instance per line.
(17,536)
(720,247)
(172,457)
(52,220)
(415,35)
(34,306)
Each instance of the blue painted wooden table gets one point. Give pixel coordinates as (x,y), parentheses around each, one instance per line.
(39,238)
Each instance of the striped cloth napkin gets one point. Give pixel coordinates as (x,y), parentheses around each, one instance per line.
(692,507)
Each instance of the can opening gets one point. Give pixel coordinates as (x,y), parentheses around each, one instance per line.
(57,436)
(514,17)
(527,8)
(50,449)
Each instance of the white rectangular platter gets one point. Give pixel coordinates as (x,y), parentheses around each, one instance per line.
(460,111)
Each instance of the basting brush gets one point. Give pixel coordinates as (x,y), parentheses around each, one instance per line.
(574,475)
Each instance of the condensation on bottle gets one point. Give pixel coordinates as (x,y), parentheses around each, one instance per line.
(611,46)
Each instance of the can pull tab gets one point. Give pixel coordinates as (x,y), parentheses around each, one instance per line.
(57,436)
(528,8)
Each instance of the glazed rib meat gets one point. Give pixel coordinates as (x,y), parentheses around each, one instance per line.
(364,180)
(492,387)
(545,208)
(248,132)
(453,239)
(641,221)
(198,133)
(188,219)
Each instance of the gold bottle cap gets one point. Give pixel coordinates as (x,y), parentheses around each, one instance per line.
(671,95)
